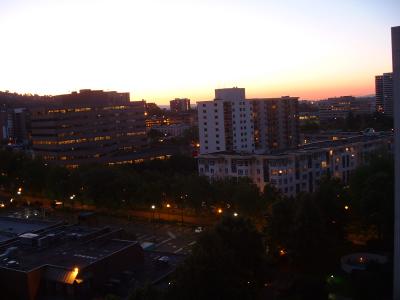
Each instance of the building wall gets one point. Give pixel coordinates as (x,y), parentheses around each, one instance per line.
(296,171)
(73,134)
(3,125)
(276,123)
(179,105)
(114,264)
(384,93)
(226,124)
(19,285)
(211,120)
(396,97)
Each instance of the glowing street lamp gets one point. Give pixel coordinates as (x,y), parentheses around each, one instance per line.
(346,207)
(235,214)
(219,210)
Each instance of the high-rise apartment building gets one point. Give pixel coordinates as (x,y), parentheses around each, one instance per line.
(276,123)
(384,93)
(396,97)
(89,126)
(226,123)
(236,124)
(179,105)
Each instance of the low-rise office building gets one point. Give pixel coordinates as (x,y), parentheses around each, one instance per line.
(53,260)
(87,126)
(340,107)
(300,170)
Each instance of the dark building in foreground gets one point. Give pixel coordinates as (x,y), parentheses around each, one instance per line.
(396,90)
(40,260)
(53,260)
(87,127)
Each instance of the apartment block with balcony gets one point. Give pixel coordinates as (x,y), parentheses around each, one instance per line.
(276,123)
(301,170)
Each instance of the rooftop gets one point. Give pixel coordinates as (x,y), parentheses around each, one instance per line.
(62,245)
(319,145)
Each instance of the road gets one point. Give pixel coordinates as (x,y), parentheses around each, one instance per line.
(166,237)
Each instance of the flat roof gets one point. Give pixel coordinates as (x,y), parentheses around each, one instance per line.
(18,226)
(62,245)
(319,145)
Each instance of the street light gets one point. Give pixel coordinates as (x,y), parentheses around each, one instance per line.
(235,214)
(219,210)
(183,199)
(153,208)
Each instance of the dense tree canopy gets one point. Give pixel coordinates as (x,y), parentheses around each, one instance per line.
(228,262)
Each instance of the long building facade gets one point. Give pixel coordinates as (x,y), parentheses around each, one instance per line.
(340,107)
(88,126)
(300,170)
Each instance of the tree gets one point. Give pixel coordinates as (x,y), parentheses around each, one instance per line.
(227,262)
(372,192)
(148,292)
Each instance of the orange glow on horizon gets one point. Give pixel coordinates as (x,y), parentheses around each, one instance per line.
(160,50)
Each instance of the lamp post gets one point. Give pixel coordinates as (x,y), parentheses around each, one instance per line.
(183,199)
(153,208)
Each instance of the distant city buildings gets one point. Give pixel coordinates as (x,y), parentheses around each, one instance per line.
(340,107)
(179,105)
(299,170)
(384,93)
(14,126)
(3,125)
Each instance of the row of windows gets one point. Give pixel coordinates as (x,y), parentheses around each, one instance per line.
(72,141)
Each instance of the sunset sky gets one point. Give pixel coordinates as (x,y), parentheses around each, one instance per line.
(162,49)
